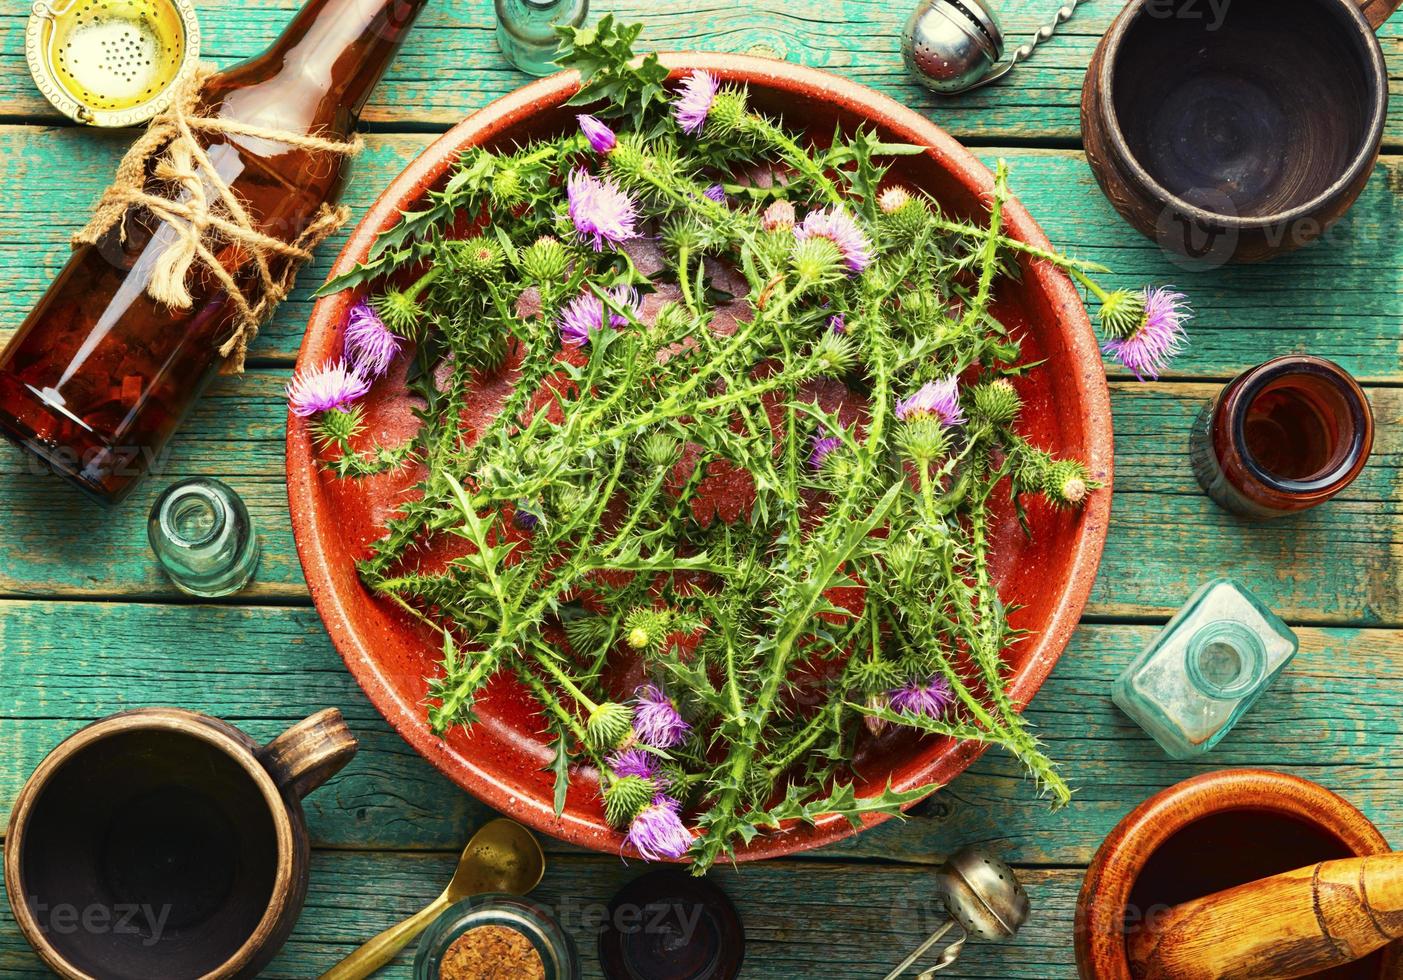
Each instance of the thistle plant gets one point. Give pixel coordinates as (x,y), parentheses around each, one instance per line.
(734,405)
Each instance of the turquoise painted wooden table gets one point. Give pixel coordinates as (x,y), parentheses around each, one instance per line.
(88,626)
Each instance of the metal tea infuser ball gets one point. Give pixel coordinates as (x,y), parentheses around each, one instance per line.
(953,46)
(984,899)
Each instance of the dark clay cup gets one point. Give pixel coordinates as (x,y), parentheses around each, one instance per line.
(161,844)
(1236,130)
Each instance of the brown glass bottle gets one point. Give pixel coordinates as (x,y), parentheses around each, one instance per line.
(1283,437)
(99,375)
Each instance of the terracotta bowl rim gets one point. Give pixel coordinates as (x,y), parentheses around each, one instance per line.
(1128,847)
(1073,327)
(1103,72)
(194,724)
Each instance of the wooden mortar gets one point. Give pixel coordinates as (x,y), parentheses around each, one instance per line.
(1207,834)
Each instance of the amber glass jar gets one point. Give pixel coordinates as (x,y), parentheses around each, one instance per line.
(1282,437)
(99,375)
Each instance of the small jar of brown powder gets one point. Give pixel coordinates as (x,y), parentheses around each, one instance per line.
(496,937)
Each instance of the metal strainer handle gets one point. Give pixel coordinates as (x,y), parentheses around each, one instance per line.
(948,956)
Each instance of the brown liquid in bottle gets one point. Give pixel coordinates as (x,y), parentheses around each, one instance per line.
(1282,437)
(99,375)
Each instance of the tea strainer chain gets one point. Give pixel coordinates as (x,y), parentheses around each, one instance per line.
(953,46)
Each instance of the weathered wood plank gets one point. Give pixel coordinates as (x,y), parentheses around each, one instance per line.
(1338,564)
(451,64)
(802,920)
(264,668)
(1340,298)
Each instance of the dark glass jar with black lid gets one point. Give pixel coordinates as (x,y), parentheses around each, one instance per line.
(1282,437)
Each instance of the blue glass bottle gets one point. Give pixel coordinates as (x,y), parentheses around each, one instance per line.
(1209,665)
(526,30)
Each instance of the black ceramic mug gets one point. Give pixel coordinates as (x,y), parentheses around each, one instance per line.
(162,844)
(1236,130)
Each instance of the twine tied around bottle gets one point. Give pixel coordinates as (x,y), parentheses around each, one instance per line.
(205,214)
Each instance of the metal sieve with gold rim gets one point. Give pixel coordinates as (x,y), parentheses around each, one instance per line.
(111,62)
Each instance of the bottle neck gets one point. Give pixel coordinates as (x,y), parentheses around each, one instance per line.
(343,47)
(319,74)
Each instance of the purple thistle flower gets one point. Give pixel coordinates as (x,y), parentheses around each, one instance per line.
(715,193)
(658,833)
(331,386)
(601,137)
(368,344)
(693,103)
(931,699)
(842,230)
(1146,352)
(600,210)
(822,447)
(938,398)
(838,324)
(656,720)
(634,762)
(525,518)
(587,311)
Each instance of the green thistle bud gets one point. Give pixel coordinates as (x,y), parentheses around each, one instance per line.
(775,247)
(903,555)
(1031,469)
(904,223)
(476,258)
(337,427)
(996,402)
(923,439)
(660,449)
(629,157)
(684,233)
(728,111)
(400,311)
(1122,314)
(545,261)
(609,724)
(625,798)
(1066,483)
(834,354)
(672,318)
(646,629)
(816,259)
(921,306)
(570,500)
(671,777)
(877,676)
(506,186)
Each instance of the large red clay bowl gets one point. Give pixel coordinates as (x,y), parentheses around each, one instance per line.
(500,760)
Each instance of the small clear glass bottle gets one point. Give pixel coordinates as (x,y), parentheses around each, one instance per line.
(1282,437)
(203,538)
(1206,669)
(526,30)
(559,959)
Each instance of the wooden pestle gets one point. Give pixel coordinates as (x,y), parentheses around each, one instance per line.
(1290,925)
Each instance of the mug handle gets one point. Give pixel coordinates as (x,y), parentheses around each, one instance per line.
(1378,11)
(310,752)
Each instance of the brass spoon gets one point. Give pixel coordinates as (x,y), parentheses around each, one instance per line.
(501,858)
